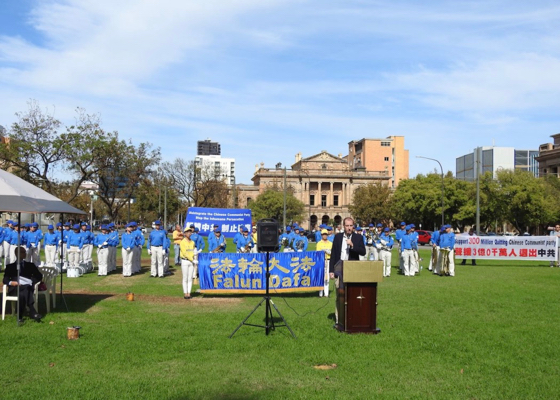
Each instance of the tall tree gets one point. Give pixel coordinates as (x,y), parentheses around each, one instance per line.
(371,203)
(121,171)
(270,204)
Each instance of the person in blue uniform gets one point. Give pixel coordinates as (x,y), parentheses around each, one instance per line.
(398,237)
(33,243)
(137,253)
(407,253)
(446,255)
(284,240)
(301,242)
(434,242)
(155,250)
(219,244)
(101,242)
(245,242)
(128,240)
(197,239)
(74,245)
(50,244)
(386,243)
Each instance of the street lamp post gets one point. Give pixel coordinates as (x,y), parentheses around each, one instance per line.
(442,188)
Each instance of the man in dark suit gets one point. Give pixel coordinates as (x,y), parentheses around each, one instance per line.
(29,275)
(347,245)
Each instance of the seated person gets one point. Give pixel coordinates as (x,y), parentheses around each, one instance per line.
(29,275)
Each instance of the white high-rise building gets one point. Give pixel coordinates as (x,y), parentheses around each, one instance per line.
(223,168)
(493,159)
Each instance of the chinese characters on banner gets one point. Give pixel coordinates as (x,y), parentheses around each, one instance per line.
(229,220)
(246,272)
(532,248)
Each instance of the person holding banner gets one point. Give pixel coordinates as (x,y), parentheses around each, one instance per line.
(473,260)
(188,251)
(325,245)
(218,244)
(556,233)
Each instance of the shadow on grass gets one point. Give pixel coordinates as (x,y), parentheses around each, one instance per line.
(79,302)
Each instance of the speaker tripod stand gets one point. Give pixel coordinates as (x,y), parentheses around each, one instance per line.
(269,319)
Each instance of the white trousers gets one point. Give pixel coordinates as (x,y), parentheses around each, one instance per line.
(165,262)
(157,261)
(325,291)
(85,257)
(187,268)
(74,256)
(102,255)
(112,258)
(385,256)
(127,256)
(408,259)
(7,253)
(372,251)
(34,255)
(50,255)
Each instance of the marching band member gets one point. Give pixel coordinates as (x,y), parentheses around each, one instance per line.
(238,236)
(325,245)
(33,238)
(65,233)
(197,239)
(245,242)
(300,241)
(398,236)
(370,242)
(360,232)
(102,250)
(285,240)
(219,244)
(188,262)
(330,235)
(434,242)
(6,242)
(318,234)
(155,249)
(166,247)
(51,246)
(386,245)
(446,256)
(87,250)
(414,242)
(407,252)
(74,245)
(129,239)
(114,240)
(137,251)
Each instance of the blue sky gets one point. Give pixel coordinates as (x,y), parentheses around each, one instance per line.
(269,79)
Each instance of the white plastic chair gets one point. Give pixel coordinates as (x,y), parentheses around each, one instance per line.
(6,298)
(49,276)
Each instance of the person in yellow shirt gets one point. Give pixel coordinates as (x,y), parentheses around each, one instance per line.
(177,237)
(254,237)
(189,261)
(325,245)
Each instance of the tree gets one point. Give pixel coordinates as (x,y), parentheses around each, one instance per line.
(200,185)
(147,203)
(371,203)
(526,199)
(35,148)
(121,171)
(270,204)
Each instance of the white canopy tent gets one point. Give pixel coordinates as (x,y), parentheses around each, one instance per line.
(19,196)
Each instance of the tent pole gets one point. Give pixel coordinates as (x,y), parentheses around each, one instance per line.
(18,264)
(62,259)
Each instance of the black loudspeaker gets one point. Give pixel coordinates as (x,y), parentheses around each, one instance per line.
(267,235)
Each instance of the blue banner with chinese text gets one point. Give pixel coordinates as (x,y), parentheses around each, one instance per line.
(228,219)
(246,272)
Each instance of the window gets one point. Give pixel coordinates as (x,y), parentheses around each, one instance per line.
(385,144)
(386,158)
(335,200)
(311,199)
(323,200)
(249,200)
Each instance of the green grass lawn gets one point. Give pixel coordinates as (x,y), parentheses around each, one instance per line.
(491,332)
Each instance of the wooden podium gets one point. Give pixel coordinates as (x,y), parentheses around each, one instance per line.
(356,296)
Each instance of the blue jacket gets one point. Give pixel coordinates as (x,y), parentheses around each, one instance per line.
(301,243)
(156,238)
(129,240)
(244,241)
(216,242)
(51,239)
(100,240)
(387,238)
(75,239)
(406,242)
(447,240)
